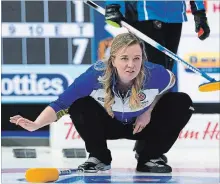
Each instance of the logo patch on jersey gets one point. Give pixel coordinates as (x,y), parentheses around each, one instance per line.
(101,99)
(141,96)
(144,103)
(99,66)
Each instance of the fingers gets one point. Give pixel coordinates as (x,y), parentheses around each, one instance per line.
(19,119)
(138,128)
(23,122)
(15,119)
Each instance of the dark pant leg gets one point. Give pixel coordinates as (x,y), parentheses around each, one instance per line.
(168,118)
(95,126)
(172,34)
(153,54)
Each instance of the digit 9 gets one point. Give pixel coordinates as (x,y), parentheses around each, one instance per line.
(11,29)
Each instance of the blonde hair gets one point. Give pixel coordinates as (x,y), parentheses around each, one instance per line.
(122,41)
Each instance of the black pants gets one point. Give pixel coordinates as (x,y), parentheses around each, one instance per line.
(95,126)
(166,34)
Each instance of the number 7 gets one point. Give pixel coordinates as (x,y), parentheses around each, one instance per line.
(81,49)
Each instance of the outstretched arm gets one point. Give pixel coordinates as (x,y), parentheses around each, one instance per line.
(81,87)
(47,116)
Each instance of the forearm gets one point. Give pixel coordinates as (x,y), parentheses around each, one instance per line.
(47,116)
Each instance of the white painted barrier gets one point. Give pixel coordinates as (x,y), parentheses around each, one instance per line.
(202,131)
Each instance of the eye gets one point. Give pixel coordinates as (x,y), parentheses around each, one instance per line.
(137,58)
(124,58)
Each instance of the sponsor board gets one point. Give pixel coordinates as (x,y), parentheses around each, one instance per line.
(202,131)
(208,62)
(205,56)
(63,134)
(37,84)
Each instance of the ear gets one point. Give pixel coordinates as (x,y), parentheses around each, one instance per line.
(113,62)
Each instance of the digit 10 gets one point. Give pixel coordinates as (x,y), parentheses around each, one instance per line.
(38,30)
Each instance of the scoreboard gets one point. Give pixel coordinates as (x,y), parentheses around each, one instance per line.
(47,32)
(45,46)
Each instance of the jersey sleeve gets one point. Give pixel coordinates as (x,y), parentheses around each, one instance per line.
(81,87)
(196,5)
(161,79)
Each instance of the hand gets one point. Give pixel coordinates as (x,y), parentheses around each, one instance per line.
(113,15)
(24,123)
(142,121)
(201,24)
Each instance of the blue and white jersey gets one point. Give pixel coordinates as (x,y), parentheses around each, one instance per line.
(158,80)
(164,11)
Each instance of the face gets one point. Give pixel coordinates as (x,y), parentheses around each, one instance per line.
(128,63)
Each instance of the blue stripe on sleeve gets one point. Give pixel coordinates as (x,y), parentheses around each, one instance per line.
(199,5)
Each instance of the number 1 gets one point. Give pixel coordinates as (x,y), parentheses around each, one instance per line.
(79,11)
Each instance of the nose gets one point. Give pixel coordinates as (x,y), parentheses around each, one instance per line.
(131,63)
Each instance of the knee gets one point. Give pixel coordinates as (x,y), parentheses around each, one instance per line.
(81,109)
(77,106)
(179,101)
(186,107)
(185,99)
(179,97)
(81,104)
(77,109)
